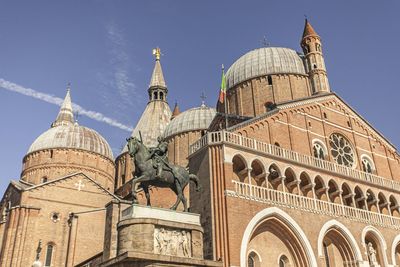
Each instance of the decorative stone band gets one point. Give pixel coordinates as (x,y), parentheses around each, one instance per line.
(144,212)
(223,137)
(279,198)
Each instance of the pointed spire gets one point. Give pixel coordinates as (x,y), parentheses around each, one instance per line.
(309,30)
(65,115)
(157,79)
(176,111)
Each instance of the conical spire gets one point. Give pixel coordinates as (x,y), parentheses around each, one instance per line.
(176,111)
(309,30)
(157,78)
(65,115)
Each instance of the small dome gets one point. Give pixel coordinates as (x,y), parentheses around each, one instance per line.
(72,136)
(264,61)
(193,119)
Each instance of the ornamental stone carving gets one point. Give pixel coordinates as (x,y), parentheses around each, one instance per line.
(168,241)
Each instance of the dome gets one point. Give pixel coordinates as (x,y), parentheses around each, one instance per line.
(193,119)
(72,136)
(264,61)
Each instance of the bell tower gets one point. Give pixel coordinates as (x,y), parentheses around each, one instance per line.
(157,89)
(315,64)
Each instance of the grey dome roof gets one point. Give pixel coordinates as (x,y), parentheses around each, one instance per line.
(193,119)
(264,61)
(72,136)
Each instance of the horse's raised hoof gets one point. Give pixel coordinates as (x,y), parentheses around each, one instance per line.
(173,208)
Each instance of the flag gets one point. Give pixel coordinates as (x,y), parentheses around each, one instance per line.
(222,91)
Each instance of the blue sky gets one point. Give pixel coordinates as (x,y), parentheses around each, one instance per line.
(104,49)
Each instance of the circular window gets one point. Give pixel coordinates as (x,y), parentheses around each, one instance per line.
(341,150)
(55,216)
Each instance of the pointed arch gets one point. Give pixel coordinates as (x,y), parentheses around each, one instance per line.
(370,232)
(258,173)
(283,218)
(240,166)
(349,244)
(396,251)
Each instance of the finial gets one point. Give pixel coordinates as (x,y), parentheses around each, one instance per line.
(203,99)
(305,17)
(69,86)
(265,42)
(222,67)
(157,53)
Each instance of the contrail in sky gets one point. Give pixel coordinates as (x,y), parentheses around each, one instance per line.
(58,101)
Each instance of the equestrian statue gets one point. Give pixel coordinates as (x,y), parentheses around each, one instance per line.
(153,169)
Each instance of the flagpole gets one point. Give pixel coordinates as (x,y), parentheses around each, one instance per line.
(225,105)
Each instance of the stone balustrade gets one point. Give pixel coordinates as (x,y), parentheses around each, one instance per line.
(225,137)
(279,198)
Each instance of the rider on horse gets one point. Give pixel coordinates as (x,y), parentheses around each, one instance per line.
(159,156)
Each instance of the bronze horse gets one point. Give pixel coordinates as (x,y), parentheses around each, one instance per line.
(145,174)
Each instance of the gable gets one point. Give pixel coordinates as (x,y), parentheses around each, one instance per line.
(75,189)
(298,124)
(12,195)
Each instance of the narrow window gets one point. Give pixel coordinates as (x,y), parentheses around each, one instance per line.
(51,154)
(269,80)
(44,179)
(161,96)
(155,96)
(325,116)
(277,144)
(49,255)
(348,124)
(315,66)
(309,123)
(250,261)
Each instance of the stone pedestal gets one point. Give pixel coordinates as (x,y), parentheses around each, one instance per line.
(159,237)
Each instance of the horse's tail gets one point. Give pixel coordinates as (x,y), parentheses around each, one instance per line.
(194,179)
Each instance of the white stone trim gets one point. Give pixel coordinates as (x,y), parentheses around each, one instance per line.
(270,212)
(380,238)
(396,241)
(345,231)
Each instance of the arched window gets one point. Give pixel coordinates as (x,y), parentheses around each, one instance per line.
(161,96)
(319,150)
(155,95)
(49,255)
(283,261)
(367,165)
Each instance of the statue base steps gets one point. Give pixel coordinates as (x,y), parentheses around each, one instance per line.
(159,237)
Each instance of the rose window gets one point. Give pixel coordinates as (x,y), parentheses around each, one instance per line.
(341,150)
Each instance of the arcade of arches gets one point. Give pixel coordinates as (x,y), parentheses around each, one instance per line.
(274,239)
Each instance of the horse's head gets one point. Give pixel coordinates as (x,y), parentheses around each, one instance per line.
(133,143)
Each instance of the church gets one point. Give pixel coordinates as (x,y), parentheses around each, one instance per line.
(291,175)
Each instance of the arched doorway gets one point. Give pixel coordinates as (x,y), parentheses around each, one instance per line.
(273,233)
